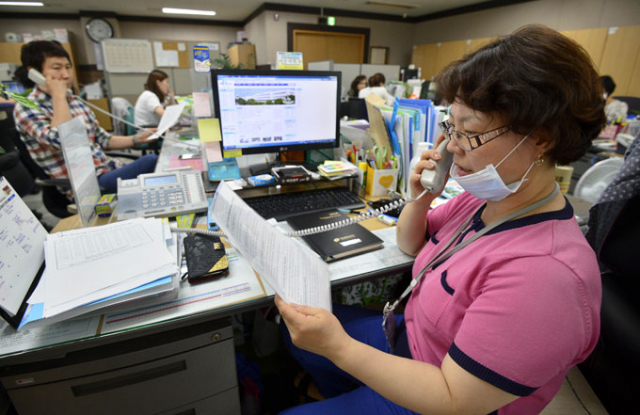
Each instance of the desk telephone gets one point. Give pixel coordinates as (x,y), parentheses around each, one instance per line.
(170,193)
(431,180)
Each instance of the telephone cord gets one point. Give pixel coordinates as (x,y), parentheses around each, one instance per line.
(115,117)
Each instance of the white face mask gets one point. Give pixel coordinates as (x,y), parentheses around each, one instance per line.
(487,183)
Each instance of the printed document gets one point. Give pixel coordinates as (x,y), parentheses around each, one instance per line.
(89,264)
(297,273)
(21,248)
(168,120)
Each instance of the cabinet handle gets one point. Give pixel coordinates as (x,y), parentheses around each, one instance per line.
(130,379)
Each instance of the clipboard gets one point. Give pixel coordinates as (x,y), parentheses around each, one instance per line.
(377,127)
(21,254)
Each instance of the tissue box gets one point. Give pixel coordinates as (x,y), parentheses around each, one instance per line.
(261,180)
(106,205)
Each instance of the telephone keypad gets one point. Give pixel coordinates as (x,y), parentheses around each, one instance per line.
(162,197)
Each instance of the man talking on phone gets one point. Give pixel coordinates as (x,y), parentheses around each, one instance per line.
(57,105)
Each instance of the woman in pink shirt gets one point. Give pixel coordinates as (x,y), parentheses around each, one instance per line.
(495,326)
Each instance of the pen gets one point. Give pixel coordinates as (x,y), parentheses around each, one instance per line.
(387,220)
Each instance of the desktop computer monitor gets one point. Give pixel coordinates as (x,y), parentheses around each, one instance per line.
(275,111)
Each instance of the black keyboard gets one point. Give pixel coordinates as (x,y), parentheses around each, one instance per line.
(285,205)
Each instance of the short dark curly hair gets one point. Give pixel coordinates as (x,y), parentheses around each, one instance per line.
(540,80)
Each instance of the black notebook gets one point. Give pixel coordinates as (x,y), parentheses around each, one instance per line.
(337,243)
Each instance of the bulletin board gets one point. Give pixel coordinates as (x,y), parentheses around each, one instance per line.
(169,54)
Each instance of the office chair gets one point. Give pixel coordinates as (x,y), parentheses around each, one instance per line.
(122,107)
(612,369)
(358,109)
(15,172)
(54,201)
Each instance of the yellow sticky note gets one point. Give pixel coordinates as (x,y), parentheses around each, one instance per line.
(209,129)
(232,153)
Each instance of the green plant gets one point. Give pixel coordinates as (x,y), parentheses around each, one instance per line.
(224,62)
(18,98)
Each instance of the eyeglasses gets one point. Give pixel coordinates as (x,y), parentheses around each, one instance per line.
(471,142)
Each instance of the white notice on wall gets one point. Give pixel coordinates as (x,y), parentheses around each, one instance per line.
(21,248)
(165,58)
(127,55)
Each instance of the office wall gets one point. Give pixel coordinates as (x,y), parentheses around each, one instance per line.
(557,14)
(256,33)
(270,36)
(83,46)
(35,26)
(179,32)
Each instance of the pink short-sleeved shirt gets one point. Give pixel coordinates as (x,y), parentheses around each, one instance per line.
(517,308)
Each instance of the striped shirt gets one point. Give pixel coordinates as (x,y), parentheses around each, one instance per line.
(43,140)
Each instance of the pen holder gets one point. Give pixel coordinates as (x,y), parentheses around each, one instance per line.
(380,181)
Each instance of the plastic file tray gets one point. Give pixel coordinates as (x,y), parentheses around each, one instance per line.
(227,169)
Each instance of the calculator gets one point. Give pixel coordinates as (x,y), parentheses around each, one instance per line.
(164,194)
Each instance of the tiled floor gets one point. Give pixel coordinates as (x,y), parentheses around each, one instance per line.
(34,201)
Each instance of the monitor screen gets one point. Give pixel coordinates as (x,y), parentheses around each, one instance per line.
(160,180)
(15,87)
(273,111)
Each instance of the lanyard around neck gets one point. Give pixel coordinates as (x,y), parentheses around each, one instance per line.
(442,255)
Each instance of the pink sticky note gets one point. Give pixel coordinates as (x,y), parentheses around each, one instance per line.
(201,107)
(175,162)
(212,151)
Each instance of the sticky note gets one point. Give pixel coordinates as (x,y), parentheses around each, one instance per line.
(201,107)
(232,153)
(209,129)
(212,151)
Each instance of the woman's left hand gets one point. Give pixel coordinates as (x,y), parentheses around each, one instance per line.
(313,329)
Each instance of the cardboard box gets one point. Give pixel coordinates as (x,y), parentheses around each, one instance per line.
(106,205)
(243,54)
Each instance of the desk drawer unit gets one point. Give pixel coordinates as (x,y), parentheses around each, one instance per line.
(178,372)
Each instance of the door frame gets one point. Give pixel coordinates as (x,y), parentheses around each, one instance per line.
(329,29)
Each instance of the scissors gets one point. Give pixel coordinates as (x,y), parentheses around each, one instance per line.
(380,156)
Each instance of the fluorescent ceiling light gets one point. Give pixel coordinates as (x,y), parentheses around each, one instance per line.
(188,11)
(21,3)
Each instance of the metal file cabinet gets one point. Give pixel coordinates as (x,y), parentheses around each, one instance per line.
(189,370)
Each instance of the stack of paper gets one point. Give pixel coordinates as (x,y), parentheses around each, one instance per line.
(89,269)
(334,170)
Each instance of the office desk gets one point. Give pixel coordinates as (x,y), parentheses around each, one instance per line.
(188,358)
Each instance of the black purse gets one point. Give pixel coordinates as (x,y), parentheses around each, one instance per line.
(206,258)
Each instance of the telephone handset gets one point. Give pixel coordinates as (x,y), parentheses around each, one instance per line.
(36,77)
(433,180)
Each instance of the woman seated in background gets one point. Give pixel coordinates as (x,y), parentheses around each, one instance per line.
(359,83)
(152,102)
(614,109)
(376,86)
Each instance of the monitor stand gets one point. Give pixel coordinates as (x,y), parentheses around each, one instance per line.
(265,168)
